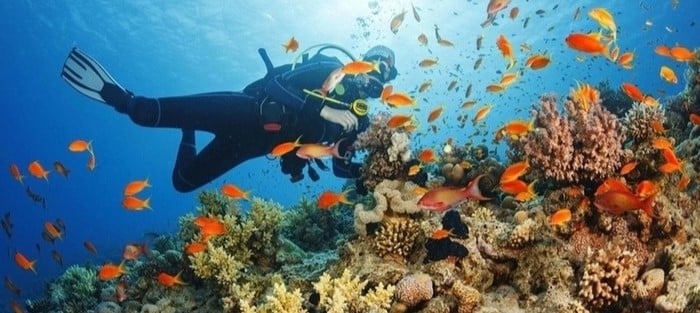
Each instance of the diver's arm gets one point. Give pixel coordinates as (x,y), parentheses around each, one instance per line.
(288,88)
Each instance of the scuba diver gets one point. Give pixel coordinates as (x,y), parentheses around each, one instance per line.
(280,107)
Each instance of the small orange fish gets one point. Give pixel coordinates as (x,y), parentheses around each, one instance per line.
(661,143)
(663,51)
(16,307)
(427,62)
(682,54)
(672,163)
(694,118)
(232,191)
(212,229)
(25,263)
(517,128)
(646,189)
(586,43)
(314,151)
(560,217)
(398,120)
(425,86)
(414,169)
(195,247)
(16,174)
(110,271)
(386,92)
(443,198)
(434,114)
(632,91)
(668,74)
(625,60)
(360,67)
(618,202)
(80,145)
(136,186)
(133,251)
(513,187)
(627,168)
(90,247)
(53,231)
(514,171)
(169,281)
(508,79)
(38,171)
(683,183)
(506,50)
(611,184)
(441,234)
(495,88)
(399,100)
(481,114)
(291,45)
(657,126)
(427,156)
(538,61)
(132,203)
(285,147)
(329,199)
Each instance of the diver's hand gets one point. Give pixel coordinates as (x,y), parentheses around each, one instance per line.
(344,118)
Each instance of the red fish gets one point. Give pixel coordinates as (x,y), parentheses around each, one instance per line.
(168,280)
(443,198)
(38,171)
(291,45)
(586,43)
(329,199)
(618,202)
(136,186)
(234,192)
(16,174)
(25,263)
(110,271)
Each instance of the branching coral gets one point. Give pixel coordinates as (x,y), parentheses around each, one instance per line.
(387,151)
(346,294)
(75,291)
(639,122)
(607,276)
(585,144)
(280,301)
(396,237)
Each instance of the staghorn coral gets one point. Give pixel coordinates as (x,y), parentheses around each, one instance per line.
(345,294)
(414,288)
(607,276)
(585,144)
(396,237)
(386,151)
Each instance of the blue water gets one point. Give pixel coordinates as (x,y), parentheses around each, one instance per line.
(167,48)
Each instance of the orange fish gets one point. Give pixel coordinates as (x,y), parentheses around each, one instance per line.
(399,100)
(14,171)
(443,198)
(672,163)
(135,187)
(627,168)
(329,199)
(682,54)
(495,88)
(110,271)
(170,281)
(291,45)
(626,59)
(492,9)
(517,128)
(360,67)
(25,263)
(398,120)
(38,171)
(132,203)
(586,43)
(508,79)
(560,217)
(657,126)
(441,234)
(427,156)
(80,145)
(632,91)
(618,202)
(506,50)
(646,189)
(434,114)
(611,184)
(133,251)
(210,230)
(53,231)
(195,247)
(694,118)
(425,86)
(332,81)
(414,169)
(537,62)
(285,147)
(661,143)
(427,62)
(386,92)
(663,51)
(683,183)
(90,247)
(668,74)
(514,171)
(481,114)
(232,191)
(16,307)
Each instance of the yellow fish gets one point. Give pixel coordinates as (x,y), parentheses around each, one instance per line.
(668,74)
(605,19)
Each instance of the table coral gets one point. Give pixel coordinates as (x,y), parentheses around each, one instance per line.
(584,144)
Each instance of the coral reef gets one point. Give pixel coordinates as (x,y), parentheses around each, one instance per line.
(583,145)
(683,276)
(608,275)
(74,291)
(304,224)
(346,294)
(414,288)
(387,151)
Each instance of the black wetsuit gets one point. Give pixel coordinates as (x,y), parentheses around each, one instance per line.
(237,118)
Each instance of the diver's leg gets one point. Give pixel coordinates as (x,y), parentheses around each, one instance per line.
(219,156)
(213,112)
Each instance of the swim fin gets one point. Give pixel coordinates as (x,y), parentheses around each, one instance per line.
(88,77)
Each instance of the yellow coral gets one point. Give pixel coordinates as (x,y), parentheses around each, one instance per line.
(344,294)
(280,301)
(397,236)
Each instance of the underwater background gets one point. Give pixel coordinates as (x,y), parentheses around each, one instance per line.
(169,48)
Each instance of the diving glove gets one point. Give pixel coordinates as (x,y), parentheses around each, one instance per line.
(344,118)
